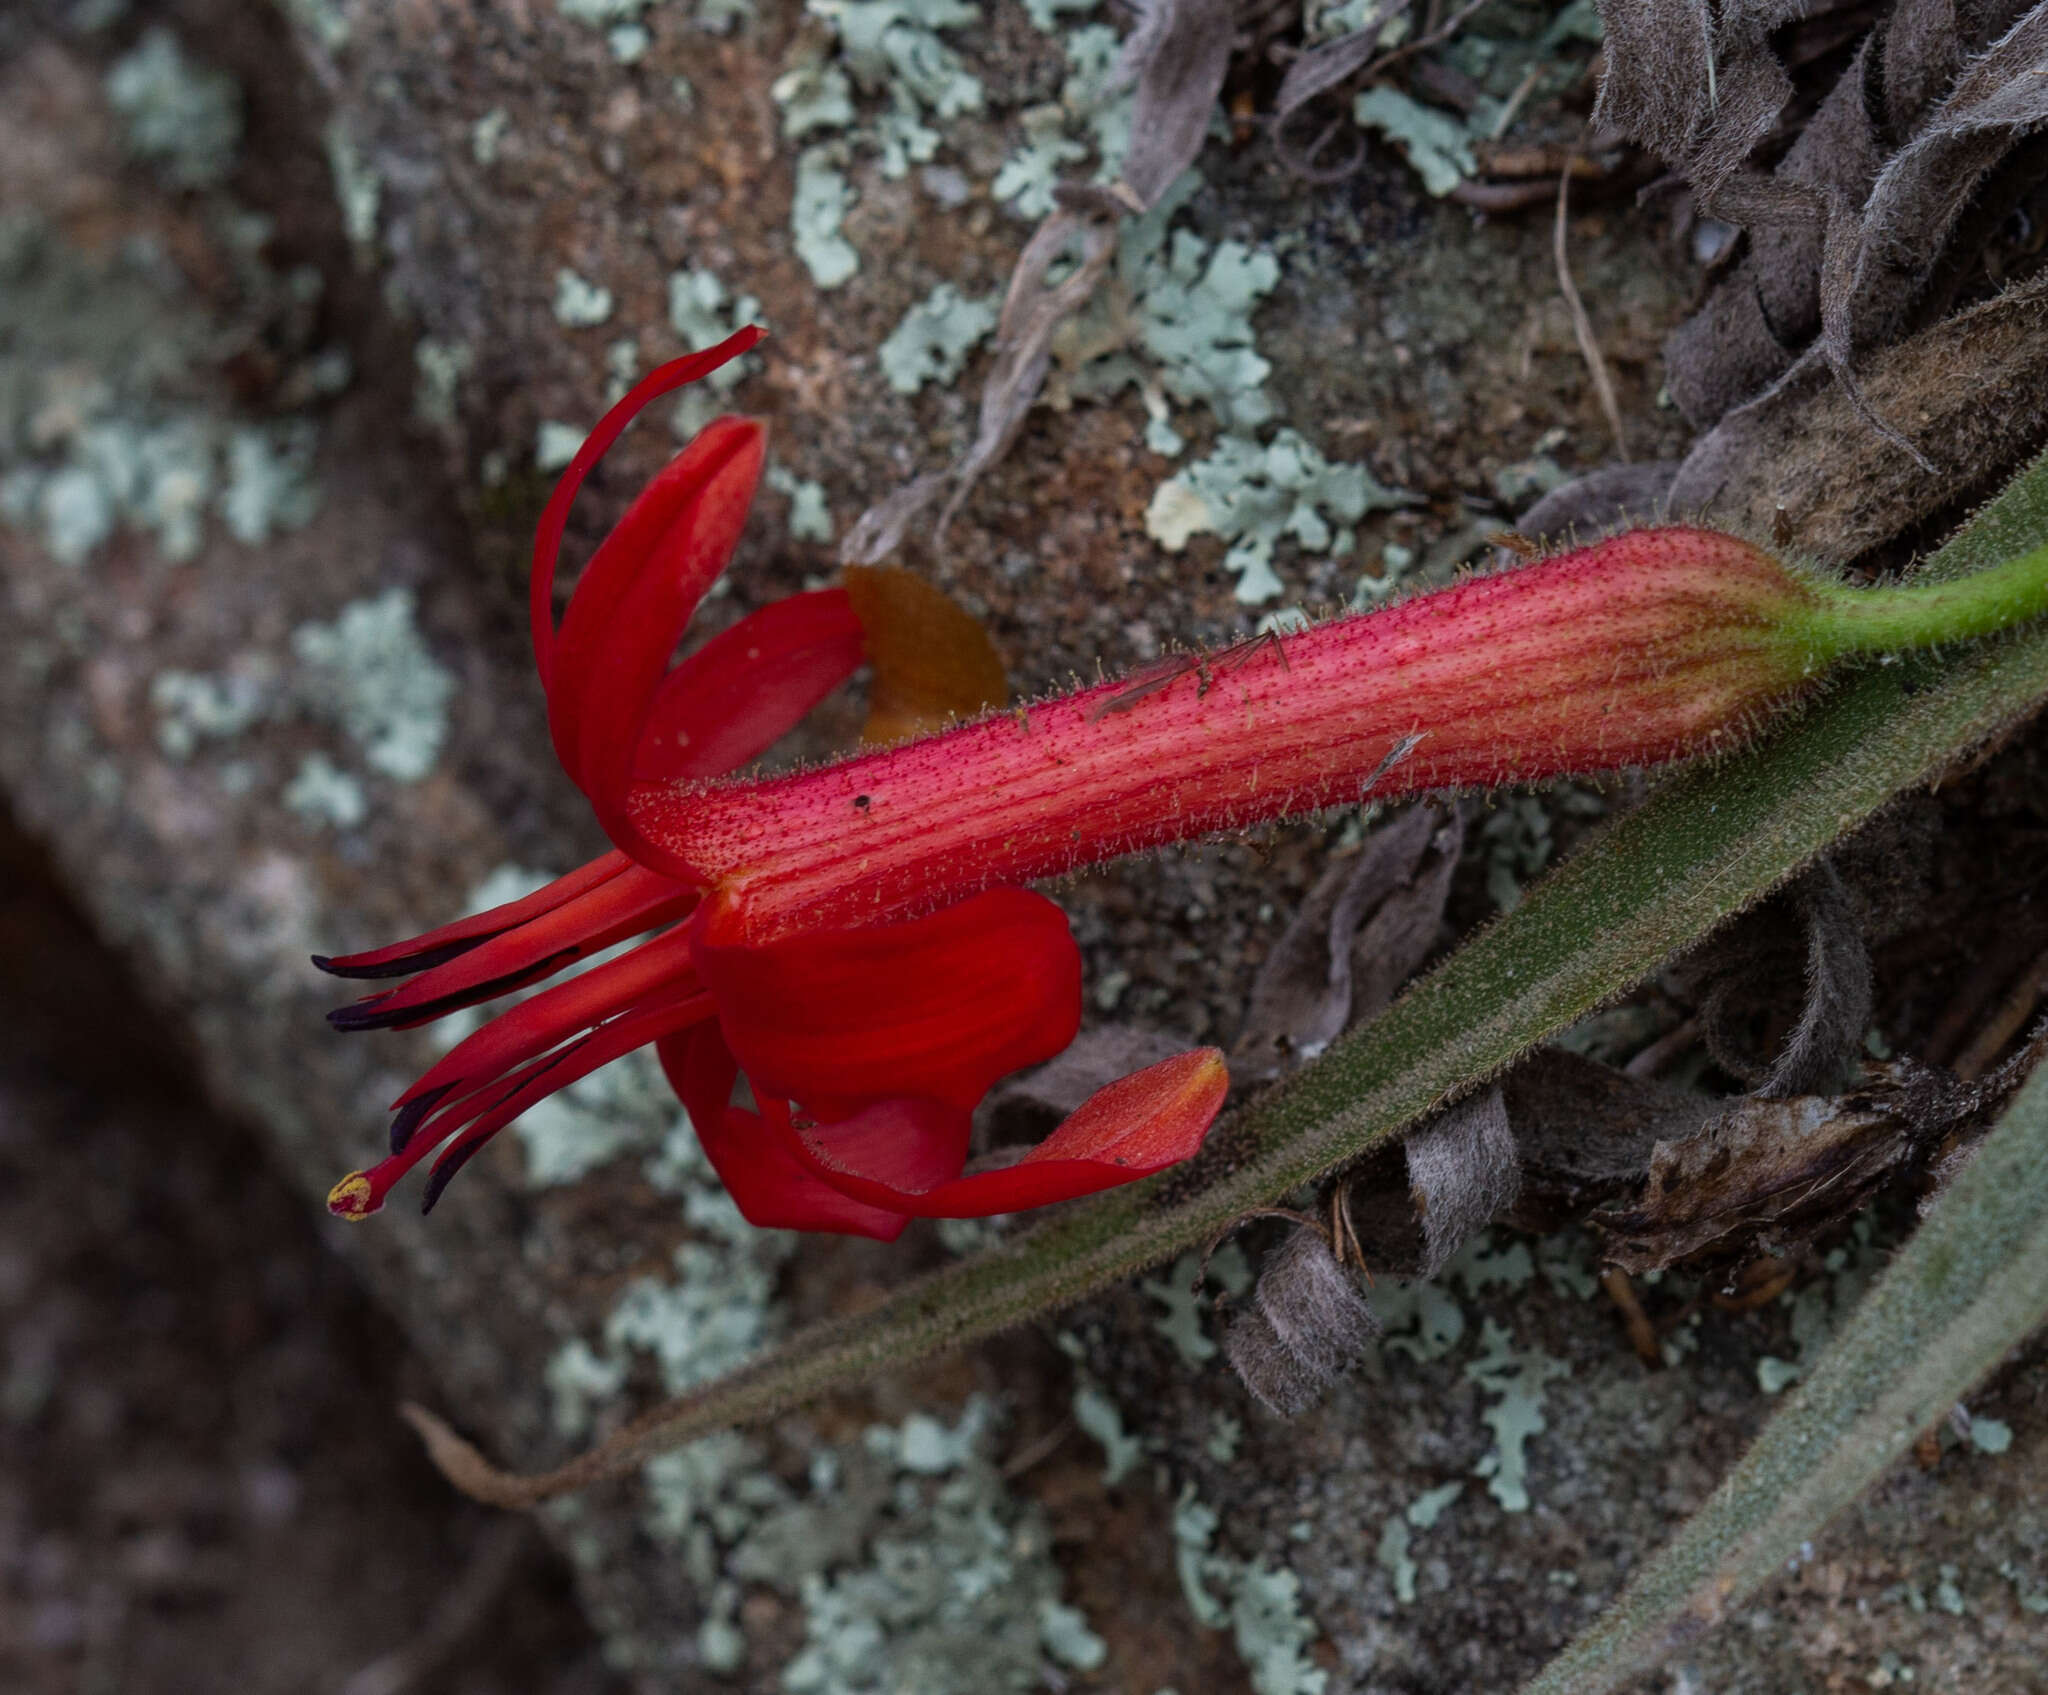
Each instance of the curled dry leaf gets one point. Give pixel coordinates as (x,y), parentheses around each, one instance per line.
(1798,961)
(1463,1172)
(1305,1325)
(1765,1176)
(1828,1039)
(1848,232)
(1371,919)
(1797,460)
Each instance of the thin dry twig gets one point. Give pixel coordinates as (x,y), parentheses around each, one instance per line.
(1582,326)
(1039,1449)
(1642,1334)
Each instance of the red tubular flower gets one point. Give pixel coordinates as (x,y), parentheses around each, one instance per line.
(853,938)
(865,1045)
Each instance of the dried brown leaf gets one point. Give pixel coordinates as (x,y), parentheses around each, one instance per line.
(1463,1172)
(1975,385)
(1368,923)
(1767,1175)
(1306,1324)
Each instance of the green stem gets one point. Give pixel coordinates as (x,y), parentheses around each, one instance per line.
(1895,620)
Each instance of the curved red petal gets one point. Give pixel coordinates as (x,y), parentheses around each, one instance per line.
(480,1115)
(572,929)
(547,540)
(636,597)
(936,1007)
(744,690)
(756,1161)
(1133,1127)
(659,967)
(449,941)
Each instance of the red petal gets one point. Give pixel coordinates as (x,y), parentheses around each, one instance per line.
(437,947)
(757,1164)
(635,600)
(743,691)
(588,923)
(547,541)
(1137,1125)
(485,1112)
(660,967)
(936,1008)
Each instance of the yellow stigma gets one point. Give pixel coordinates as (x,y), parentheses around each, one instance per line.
(351,1198)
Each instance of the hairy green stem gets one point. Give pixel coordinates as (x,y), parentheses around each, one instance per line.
(1851,621)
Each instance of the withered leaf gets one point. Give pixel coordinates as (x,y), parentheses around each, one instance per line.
(1306,1323)
(1828,1038)
(1463,1172)
(1976,385)
(1588,507)
(1766,1175)
(1371,919)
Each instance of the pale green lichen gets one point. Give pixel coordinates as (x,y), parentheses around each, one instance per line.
(358,185)
(1255,495)
(1101,1418)
(810,519)
(195,707)
(1225,1433)
(1261,1604)
(1189,313)
(916,1568)
(1025,183)
(370,672)
(1392,1555)
(717,17)
(814,93)
(894,45)
(323,793)
(1428,1507)
(323,20)
(579,303)
(578,1379)
(1396,1540)
(1438,1321)
(184,117)
(555,444)
(98,426)
(622,368)
(1437,146)
(817,210)
(1990,1435)
(487,136)
(1183,1307)
(439,367)
(601,14)
(1774,1376)
(704,313)
(270,484)
(931,343)
(1517,1379)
